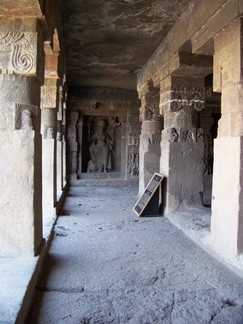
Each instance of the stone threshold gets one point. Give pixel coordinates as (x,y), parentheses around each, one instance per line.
(105,182)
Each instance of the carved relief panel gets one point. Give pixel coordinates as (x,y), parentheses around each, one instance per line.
(18,47)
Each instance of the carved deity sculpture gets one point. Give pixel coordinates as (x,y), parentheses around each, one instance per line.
(100,149)
(26,120)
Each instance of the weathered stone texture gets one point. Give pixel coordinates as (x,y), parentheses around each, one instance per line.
(101,38)
(226,223)
(18,47)
(23,209)
(21,8)
(227,213)
(208,19)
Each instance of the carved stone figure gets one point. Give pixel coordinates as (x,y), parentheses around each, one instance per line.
(100,148)
(136,164)
(133,163)
(26,120)
(50,133)
(129,163)
(172,135)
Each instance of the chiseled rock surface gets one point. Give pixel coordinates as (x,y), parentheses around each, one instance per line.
(108,42)
(106,265)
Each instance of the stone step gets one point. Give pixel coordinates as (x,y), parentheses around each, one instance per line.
(105,182)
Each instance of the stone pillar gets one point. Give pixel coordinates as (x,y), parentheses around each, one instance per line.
(72,144)
(59,144)
(80,141)
(20,139)
(64,145)
(48,124)
(227,202)
(182,146)
(150,138)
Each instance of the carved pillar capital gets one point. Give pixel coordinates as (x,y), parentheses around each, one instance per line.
(180,101)
(149,109)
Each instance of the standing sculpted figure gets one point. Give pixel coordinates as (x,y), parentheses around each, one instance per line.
(100,149)
(26,120)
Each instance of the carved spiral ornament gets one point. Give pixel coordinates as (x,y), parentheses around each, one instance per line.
(21,48)
(8,37)
(23,56)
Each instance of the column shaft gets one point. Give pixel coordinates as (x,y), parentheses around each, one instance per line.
(227,207)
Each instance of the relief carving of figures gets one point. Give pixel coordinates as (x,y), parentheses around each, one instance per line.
(129,163)
(185,136)
(135,139)
(200,135)
(151,111)
(133,163)
(172,135)
(100,149)
(136,164)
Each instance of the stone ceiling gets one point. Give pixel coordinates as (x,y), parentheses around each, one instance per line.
(108,42)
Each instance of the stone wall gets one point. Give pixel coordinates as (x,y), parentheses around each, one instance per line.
(118,138)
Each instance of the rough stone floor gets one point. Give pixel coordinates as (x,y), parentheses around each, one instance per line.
(106,265)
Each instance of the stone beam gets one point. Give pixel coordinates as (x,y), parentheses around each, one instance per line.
(181,63)
(196,25)
(202,41)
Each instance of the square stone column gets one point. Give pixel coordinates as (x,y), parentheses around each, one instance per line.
(150,138)
(60,152)
(20,139)
(182,147)
(72,145)
(48,124)
(64,145)
(227,200)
